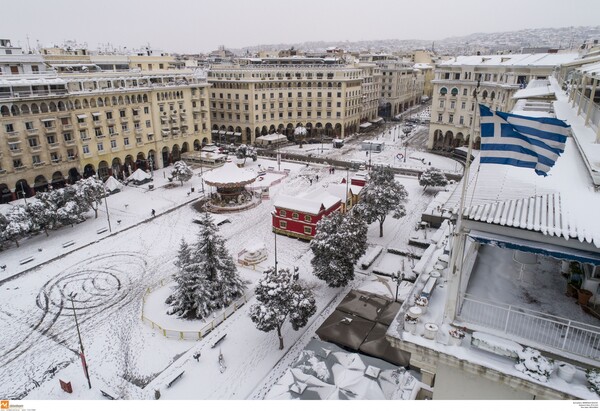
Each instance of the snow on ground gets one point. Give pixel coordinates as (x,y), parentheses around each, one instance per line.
(110,273)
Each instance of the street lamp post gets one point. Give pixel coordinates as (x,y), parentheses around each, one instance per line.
(81,354)
(397,277)
(24,194)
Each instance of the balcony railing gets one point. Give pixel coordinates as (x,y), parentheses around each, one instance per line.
(547,331)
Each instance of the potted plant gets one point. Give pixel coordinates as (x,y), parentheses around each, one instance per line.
(456,336)
(431,330)
(575,279)
(532,363)
(593,378)
(566,371)
(410,324)
(422,302)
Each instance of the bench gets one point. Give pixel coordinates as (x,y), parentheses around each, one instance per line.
(174,380)
(428,289)
(26,260)
(68,244)
(109,396)
(102,230)
(213,345)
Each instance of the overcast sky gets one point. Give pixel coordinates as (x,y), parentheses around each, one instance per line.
(201,26)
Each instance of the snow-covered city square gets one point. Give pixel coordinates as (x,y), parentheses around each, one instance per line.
(202,219)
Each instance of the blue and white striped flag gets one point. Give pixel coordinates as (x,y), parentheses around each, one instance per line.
(530,142)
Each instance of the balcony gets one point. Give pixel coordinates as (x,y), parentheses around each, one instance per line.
(56,160)
(16,152)
(110,121)
(35,149)
(50,129)
(13,136)
(20,168)
(39,164)
(138,131)
(31,131)
(71,158)
(82,125)
(53,145)
(70,142)
(67,127)
(136,118)
(86,138)
(100,136)
(97,123)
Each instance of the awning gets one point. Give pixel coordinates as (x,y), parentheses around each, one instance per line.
(237,134)
(365,125)
(81,115)
(222,132)
(96,114)
(215,131)
(556,251)
(229,133)
(48,119)
(377,120)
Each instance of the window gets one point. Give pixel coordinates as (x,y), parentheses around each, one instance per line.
(443,91)
(146,110)
(465,91)
(148,124)
(109,115)
(80,119)
(86,149)
(307,230)
(282,213)
(124,126)
(95,117)
(83,134)
(126,141)
(111,130)
(295,216)
(452,104)
(451,118)
(51,139)
(33,142)
(9,128)
(441,103)
(29,125)
(307,218)
(113,143)
(98,131)
(463,105)
(122,113)
(17,163)
(36,160)
(461,120)
(100,146)
(283,224)
(67,137)
(440,118)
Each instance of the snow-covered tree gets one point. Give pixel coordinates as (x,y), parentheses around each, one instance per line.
(181,172)
(300,132)
(207,279)
(244,151)
(19,223)
(3,224)
(281,296)
(340,241)
(43,216)
(380,196)
(433,177)
(90,191)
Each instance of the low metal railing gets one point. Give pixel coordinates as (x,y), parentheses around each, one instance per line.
(532,326)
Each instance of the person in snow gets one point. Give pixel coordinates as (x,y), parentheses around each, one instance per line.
(153,213)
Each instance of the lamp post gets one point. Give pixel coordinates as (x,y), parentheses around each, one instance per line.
(24,194)
(347,188)
(275,232)
(397,277)
(81,354)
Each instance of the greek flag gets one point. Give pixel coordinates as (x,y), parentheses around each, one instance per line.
(521,141)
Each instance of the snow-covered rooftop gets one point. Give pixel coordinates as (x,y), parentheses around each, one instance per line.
(229,173)
(538,59)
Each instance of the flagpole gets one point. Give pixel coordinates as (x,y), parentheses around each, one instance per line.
(458,236)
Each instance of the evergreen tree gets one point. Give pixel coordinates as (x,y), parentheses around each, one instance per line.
(181,172)
(300,132)
(207,279)
(90,191)
(244,151)
(340,241)
(433,177)
(3,233)
(380,196)
(281,296)
(190,296)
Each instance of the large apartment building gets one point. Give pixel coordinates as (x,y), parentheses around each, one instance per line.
(57,127)
(499,77)
(254,99)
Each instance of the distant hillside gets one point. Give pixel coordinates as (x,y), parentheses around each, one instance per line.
(484,42)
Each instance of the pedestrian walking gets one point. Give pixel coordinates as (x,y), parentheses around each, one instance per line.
(317,177)
(197,357)
(153,213)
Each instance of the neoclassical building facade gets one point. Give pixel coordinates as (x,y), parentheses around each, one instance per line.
(55,128)
(251,100)
(499,77)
